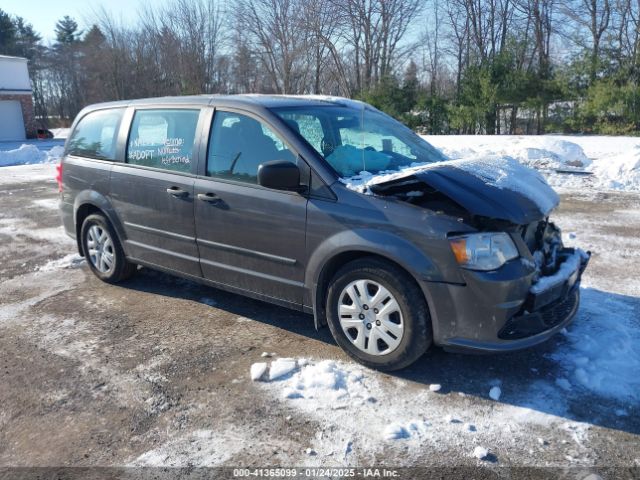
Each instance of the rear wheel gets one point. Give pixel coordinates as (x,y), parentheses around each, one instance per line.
(378,315)
(103,251)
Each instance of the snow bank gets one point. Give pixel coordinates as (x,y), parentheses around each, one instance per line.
(613,161)
(28,154)
(541,152)
(24,155)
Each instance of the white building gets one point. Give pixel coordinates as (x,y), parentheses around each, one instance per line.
(16,104)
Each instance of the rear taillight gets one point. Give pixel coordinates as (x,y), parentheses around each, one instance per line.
(59,176)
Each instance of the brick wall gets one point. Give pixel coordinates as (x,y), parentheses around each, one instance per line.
(26,102)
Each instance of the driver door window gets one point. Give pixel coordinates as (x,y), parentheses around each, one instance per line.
(239,144)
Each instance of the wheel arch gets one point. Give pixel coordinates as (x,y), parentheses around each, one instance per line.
(90,202)
(329,257)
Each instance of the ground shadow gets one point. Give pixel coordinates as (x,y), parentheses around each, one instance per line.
(158,283)
(527,378)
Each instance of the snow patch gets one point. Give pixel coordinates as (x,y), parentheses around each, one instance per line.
(201,448)
(412,429)
(72,260)
(258,370)
(480,452)
(495,393)
(281,367)
(601,353)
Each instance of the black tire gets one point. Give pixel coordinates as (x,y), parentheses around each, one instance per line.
(122,269)
(417,335)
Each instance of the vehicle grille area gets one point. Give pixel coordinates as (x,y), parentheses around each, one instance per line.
(528,324)
(544,241)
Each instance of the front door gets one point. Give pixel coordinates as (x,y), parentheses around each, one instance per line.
(249,237)
(153,191)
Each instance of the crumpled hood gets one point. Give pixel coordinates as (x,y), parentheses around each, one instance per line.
(494,187)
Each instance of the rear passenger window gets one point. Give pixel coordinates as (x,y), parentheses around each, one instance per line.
(96,135)
(163,139)
(239,144)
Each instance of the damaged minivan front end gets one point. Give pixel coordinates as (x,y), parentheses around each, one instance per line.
(474,233)
(520,284)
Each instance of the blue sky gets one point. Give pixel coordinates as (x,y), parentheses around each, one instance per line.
(43,14)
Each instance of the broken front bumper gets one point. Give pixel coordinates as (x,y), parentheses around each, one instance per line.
(548,308)
(498,311)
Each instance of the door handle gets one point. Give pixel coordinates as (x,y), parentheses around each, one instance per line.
(177,192)
(209,197)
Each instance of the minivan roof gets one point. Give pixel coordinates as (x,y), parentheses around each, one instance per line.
(247,100)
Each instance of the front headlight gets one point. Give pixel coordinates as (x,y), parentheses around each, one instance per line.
(483,251)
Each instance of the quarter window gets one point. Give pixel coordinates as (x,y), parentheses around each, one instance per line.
(96,135)
(239,144)
(163,139)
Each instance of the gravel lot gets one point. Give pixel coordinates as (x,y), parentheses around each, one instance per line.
(156,371)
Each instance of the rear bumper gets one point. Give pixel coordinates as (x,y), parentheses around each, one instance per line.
(67,217)
(496,312)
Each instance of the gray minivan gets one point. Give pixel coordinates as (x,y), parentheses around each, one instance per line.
(328,206)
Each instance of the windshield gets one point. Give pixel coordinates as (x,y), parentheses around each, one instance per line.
(355,140)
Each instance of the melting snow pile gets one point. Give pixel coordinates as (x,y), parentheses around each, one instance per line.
(70,261)
(29,154)
(324,382)
(613,161)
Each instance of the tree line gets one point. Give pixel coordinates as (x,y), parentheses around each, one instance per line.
(462,66)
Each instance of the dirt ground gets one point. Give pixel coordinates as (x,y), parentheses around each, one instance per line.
(155,371)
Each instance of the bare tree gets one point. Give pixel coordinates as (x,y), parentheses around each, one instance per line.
(489,22)
(375,30)
(273,26)
(594,17)
(322,25)
(458,38)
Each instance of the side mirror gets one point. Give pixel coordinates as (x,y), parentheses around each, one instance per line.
(279,175)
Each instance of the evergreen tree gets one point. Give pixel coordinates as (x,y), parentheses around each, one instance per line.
(67,31)
(27,42)
(7,34)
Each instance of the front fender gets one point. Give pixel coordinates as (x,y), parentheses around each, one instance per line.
(375,242)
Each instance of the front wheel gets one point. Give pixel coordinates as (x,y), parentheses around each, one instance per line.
(378,314)
(103,251)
